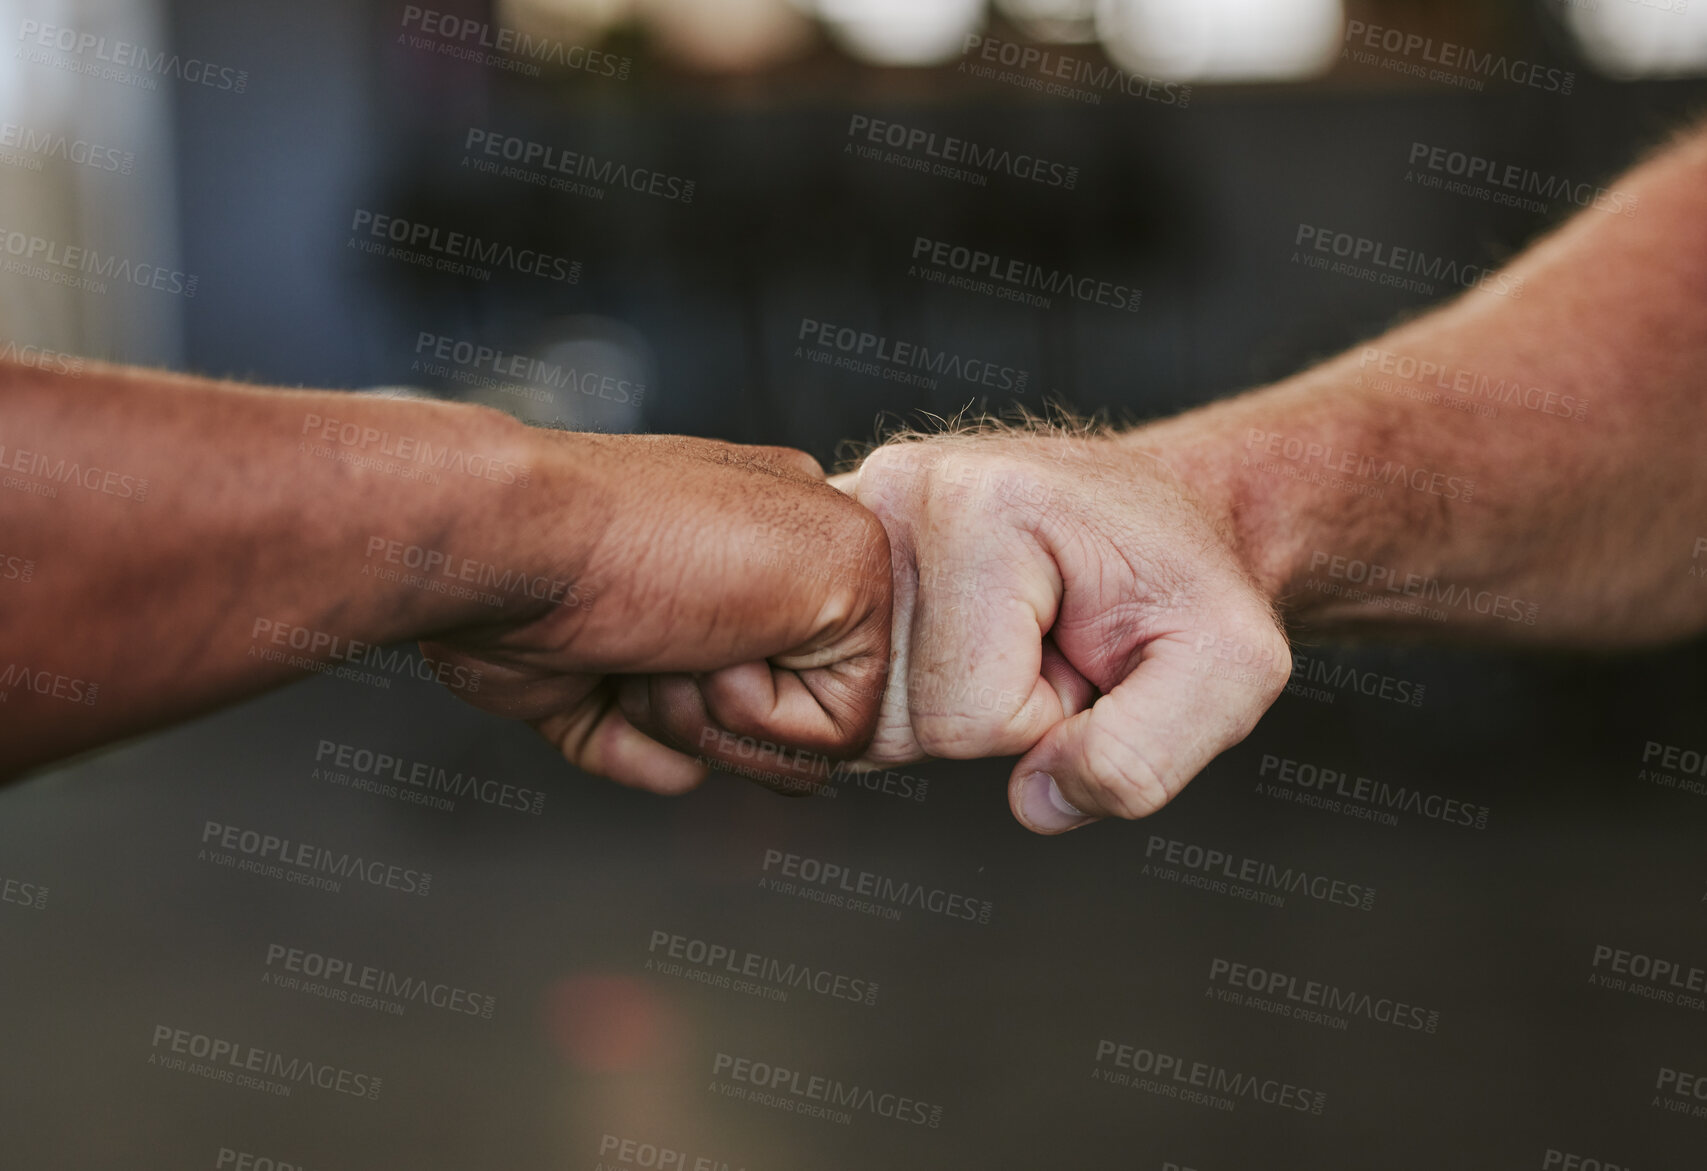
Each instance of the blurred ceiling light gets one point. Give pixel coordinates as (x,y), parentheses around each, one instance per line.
(1222,40)
(901,32)
(571,20)
(728,36)
(1053,20)
(1642,38)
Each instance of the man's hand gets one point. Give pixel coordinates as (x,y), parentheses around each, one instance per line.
(644,600)
(1069,599)
(730,606)
(1034,572)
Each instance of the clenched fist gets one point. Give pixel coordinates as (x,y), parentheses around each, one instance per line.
(656,603)
(1068,599)
(731,607)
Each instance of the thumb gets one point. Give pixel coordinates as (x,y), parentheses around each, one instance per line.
(1192,696)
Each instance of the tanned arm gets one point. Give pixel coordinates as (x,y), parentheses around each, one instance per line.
(192,542)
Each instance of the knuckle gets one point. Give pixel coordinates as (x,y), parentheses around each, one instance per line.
(1124,781)
(949,474)
(841,743)
(1253,657)
(888,750)
(991,478)
(795,459)
(867,534)
(1277,657)
(891,470)
(961,716)
(953,737)
(736,718)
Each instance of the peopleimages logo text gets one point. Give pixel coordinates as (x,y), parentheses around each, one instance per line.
(1209,1077)
(1408,261)
(374,441)
(839,880)
(50,144)
(1519,180)
(352,976)
(1320,994)
(1447,57)
(95,264)
(1344,784)
(62,471)
(948,149)
(1357,466)
(1093,75)
(863,345)
(459,250)
(41,681)
(473,36)
(522,374)
(547,161)
(233,1057)
(309,859)
(126,56)
(728,960)
(1266,876)
(828,1091)
(428,777)
(1015,274)
(322,647)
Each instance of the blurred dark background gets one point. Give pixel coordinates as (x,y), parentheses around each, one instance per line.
(688,316)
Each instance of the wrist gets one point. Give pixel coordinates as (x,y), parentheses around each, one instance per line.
(555,525)
(437,505)
(1208,452)
(1297,480)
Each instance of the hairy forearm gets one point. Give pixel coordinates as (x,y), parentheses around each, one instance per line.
(1526,465)
(193,542)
